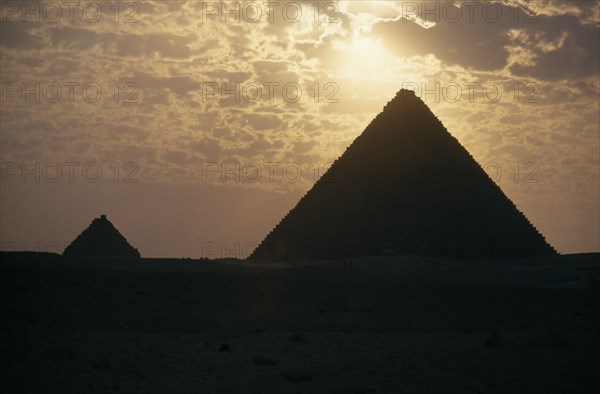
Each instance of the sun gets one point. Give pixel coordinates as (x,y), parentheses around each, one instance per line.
(361,56)
(366,46)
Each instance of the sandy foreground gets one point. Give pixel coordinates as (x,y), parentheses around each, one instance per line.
(379,325)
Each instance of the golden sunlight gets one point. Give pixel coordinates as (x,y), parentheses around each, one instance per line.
(362,56)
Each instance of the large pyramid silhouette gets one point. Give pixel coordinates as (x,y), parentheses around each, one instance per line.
(405,186)
(101,238)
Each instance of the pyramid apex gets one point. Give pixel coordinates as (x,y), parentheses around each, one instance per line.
(403,96)
(406,94)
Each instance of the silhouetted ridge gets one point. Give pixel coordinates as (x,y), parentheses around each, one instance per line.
(404,186)
(101,238)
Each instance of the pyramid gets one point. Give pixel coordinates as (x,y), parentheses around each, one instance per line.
(101,238)
(405,186)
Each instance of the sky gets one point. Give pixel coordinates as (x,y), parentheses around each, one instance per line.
(196,126)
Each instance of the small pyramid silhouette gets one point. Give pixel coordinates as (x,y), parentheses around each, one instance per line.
(405,186)
(101,238)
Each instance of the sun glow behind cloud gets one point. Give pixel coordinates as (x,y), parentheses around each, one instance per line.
(364,59)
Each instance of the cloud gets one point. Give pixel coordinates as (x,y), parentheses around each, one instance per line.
(32,61)
(562,48)
(481,44)
(263,122)
(20,36)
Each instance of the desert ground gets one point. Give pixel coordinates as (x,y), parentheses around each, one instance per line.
(372,325)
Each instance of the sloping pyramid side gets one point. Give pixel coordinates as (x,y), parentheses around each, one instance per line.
(101,238)
(404,186)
